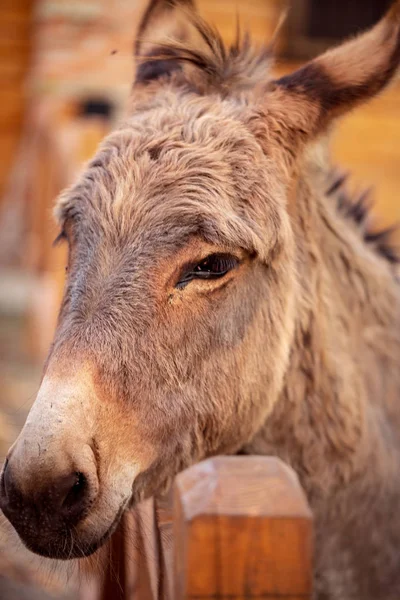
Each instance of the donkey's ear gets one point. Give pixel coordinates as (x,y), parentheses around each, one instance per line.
(162,21)
(305,102)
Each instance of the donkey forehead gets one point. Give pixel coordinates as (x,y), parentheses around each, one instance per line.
(207,173)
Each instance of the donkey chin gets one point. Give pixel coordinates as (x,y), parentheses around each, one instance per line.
(53,534)
(64,485)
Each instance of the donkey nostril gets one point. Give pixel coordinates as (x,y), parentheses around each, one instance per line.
(76,497)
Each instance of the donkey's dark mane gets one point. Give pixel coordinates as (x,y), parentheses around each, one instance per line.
(358,209)
(241,66)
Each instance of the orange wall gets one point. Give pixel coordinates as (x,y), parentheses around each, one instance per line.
(15,20)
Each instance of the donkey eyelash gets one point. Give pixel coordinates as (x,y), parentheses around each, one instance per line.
(60,238)
(214,266)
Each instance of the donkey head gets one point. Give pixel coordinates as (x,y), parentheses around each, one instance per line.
(179,308)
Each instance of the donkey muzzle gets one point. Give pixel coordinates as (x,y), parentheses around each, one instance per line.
(69,475)
(45,502)
(49,482)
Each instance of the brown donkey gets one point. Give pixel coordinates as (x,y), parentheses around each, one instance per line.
(219,299)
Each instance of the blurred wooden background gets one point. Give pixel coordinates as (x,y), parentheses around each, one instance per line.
(64,46)
(15,54)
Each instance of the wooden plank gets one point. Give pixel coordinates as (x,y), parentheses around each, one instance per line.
(164,522)
(16,5)
(147,553)
(138,583)
(114,585)
(13,45)
(15,49)
(242,530)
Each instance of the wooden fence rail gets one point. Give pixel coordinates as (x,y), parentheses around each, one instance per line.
(235,528)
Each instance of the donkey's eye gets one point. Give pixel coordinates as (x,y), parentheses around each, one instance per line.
(214,266)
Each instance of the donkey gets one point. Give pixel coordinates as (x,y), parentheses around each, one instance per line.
(223,296)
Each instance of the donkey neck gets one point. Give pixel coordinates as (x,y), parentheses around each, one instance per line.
(338,406)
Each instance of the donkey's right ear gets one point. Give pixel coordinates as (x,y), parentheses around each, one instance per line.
(305,102)
(163,21)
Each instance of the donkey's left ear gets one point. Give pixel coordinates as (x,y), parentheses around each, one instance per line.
(305,102)
(162,21)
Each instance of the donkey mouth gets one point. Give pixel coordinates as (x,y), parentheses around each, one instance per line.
(63,544)
(89,549)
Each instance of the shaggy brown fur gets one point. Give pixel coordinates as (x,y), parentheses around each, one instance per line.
(293,351)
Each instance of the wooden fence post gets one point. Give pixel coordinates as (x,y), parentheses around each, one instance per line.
(242,530)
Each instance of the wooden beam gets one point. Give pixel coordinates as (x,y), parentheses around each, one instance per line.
(114,583)
(242,530)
